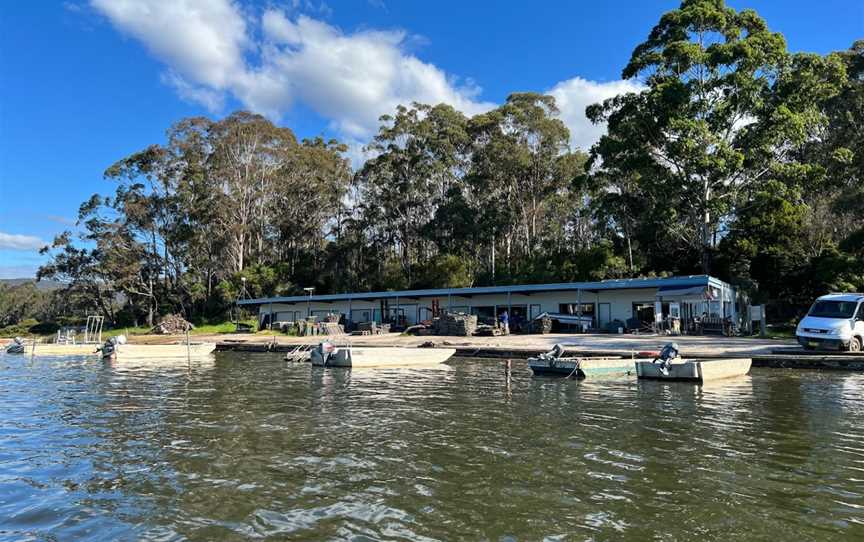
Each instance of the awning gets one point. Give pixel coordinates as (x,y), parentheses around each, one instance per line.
(682,291)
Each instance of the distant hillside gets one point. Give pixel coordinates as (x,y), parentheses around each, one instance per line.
(46,285)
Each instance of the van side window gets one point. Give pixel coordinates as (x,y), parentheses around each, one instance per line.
(860,314)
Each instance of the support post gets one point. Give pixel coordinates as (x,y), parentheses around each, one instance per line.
(762,323)
(579,309)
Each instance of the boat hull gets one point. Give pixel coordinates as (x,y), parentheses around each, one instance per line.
(162,351)
(124,351)
(695,371)
(50,349)
(588,367)
(381,357)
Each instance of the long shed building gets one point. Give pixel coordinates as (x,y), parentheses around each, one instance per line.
(648,299)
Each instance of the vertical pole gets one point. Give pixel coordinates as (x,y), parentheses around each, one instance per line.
(579,309)
(449,302)
(188,348)
(597,306)
(762,331)
(270,320)
(397,310)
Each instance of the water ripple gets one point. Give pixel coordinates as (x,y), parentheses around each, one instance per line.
(247,447)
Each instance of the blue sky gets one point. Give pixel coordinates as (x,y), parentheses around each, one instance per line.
(85,83)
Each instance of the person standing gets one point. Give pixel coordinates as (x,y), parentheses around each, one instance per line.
(505,322)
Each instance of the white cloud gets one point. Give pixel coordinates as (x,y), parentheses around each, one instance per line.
(18,271)
(13,241)
(350,79)
(202,40)
(213,49)
(574,95)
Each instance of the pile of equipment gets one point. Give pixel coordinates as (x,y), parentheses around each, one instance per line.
(455,324)
(172,324)
(542,324)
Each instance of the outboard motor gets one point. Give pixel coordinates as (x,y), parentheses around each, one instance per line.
(327,350)
(670,352)
(109,349)
(556,352)
(17,346)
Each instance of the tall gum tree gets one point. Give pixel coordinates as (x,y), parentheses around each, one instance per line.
(714,119)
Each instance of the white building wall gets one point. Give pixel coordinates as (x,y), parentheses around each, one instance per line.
(618,302)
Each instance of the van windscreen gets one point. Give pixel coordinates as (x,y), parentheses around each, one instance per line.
(833,309)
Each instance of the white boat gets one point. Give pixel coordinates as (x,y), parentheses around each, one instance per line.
(701,370)
(52,349)
(669,366)
(122,350)
(329,355)
(159,351)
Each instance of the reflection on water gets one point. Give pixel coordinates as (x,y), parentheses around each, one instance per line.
(244,446)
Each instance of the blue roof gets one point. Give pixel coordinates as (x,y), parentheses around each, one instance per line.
(616,284)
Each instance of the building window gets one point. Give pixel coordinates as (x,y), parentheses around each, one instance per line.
(573,309)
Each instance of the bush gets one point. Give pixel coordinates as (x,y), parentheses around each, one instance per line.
(44,328)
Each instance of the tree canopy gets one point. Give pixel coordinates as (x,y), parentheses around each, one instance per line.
(736,158)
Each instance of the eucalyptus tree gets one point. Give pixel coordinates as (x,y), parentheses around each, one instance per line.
(246,153)
(719,114)
(419,155)
(307,198)
(519,161)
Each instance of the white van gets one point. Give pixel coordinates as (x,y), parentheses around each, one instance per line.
(835,321)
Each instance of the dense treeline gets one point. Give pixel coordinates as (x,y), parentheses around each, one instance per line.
(737,158)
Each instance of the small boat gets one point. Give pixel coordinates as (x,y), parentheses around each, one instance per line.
(17,346)
(116,348)
(669,366)
(327,354)
(554,363)
(54,349)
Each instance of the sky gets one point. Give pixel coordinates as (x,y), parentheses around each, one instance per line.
(84,83)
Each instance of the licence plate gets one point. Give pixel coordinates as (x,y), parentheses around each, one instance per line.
(814,344)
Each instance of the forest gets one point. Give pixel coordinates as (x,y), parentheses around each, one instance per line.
(738,158)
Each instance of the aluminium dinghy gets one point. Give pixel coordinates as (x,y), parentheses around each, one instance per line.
(328,354)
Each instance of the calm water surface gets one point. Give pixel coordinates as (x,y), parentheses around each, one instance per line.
(247,447)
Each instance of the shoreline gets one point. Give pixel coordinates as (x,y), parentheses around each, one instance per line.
(772,353)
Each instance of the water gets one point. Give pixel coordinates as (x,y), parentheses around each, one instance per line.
(248,447)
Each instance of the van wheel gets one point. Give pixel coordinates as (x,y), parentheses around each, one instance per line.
(855,344)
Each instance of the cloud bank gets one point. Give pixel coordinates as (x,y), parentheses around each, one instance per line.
(11,241)
(213,49)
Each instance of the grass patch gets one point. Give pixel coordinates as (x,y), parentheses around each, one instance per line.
(31,328)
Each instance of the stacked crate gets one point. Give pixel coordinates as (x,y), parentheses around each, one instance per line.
(456,324)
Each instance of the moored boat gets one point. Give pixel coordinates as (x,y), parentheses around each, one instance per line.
(554,363)
(669,366)
(329,355)
(697,371)
(17,346)
(117,348)
(125,350)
